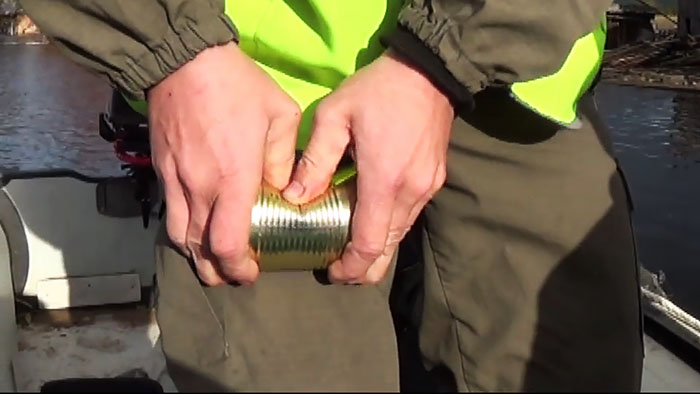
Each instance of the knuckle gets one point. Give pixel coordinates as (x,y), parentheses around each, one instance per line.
(393,181)
(291,110)
(189,177)
(207,276)
(276,157)
(310,161)
(225,250)
(355,273)
(161,168)
(176,235)
(273,138)
(166,171)
(325,111)
(207,280)
(328,113)
(368,251)
(236,273)
(288,160)
(396,235)
(420,185)
(272,164)
(231,271)
(179,242)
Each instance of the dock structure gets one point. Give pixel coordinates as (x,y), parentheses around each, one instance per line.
(658,58)
(14,21)
(629,24)
(688,18)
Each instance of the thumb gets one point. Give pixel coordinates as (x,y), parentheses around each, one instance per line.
(330,136)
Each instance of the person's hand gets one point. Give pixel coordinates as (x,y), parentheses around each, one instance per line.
(399,124)
(219,125)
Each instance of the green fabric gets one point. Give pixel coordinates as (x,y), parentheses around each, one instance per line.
(310,47)
(556,96)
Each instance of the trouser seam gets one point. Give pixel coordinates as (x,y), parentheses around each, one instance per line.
(222,327)
(449,310)
(219,322)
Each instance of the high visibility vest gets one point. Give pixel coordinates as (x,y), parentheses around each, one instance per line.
(556,96)
(310,46)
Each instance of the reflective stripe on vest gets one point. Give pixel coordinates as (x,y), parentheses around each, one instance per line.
(556,96)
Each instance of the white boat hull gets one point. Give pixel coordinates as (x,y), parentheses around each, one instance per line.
(66,236)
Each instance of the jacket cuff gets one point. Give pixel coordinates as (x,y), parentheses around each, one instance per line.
(437,34)
(179,45)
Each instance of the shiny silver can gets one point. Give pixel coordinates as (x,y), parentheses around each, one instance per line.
(285,236)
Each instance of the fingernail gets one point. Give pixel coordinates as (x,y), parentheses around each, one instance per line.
(294,191)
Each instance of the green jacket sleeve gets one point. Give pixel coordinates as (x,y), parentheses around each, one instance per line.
(134,43)
(467,45)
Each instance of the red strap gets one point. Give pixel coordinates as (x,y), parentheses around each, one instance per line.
(135,159)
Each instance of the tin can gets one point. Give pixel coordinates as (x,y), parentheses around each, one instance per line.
(285,236)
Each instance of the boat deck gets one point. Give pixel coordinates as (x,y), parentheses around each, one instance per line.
(112,342)
(89,343)
(663,371)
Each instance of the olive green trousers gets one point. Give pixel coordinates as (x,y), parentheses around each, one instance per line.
(520,275)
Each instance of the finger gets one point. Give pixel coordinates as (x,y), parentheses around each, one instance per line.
(279,150)
(370,228)
(403,207)
(229,230)
(377,271)
(196,239)
(206,270)
(204,261)
(177,225)
(329,137)
(404,213)
(438,181)
(177,212)
(411,200)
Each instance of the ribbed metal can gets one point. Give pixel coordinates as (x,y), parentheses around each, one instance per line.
(285,236)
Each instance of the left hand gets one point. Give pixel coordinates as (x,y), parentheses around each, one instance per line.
(399,124)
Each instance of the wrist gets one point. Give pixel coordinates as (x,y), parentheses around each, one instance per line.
(421,80)
(195,74)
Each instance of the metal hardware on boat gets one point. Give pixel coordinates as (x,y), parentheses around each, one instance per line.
(285,236)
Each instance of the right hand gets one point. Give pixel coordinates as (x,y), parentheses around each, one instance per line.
(218,126)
